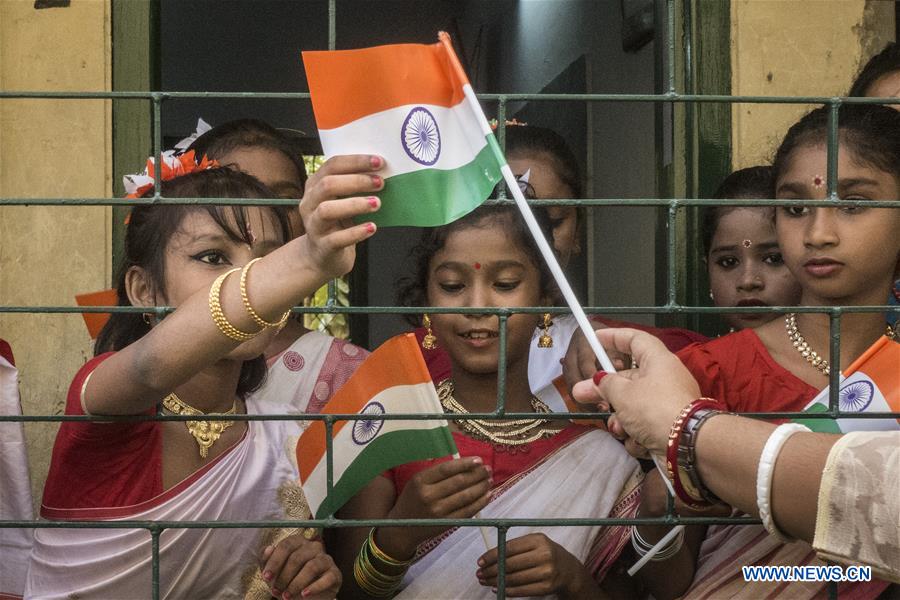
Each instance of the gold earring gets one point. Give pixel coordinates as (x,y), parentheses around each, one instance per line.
(545,341)
(146,317)
(429,342)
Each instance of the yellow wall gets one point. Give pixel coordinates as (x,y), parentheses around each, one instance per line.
(796,48)
(52,148)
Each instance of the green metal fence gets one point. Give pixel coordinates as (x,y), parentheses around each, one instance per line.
(673,12)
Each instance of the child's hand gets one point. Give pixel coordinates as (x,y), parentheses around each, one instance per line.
(335,194)
(297,567)
(580,363)
(455,489)
(537,566)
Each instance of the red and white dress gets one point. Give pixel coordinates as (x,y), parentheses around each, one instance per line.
(113,472)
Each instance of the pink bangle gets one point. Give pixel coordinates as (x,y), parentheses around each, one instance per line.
(673,469)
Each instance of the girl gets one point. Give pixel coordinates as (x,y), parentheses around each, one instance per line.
(742,257)
(840,255)
(525,468)
(203,358)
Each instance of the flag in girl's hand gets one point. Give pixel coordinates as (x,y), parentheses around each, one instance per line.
(393,380)
(407,103)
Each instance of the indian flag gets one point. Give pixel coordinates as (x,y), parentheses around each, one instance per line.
(870,384)
(413,105)
(393,380)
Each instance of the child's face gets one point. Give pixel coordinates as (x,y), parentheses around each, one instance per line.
(275,170)
(480,267)
(840,255)
(199,251)
(548,185)
(746,268)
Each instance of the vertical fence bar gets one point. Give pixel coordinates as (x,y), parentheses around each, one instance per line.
(329,453)
(157,143)
(670,44)
(155,532)
(833,148)
(501,561)
(501,135)
(670,255)
(834,361)
(501,367)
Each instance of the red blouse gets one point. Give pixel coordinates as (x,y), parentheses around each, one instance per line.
(738,370)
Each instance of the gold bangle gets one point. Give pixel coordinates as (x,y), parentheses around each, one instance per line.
(381,555)
(372,581)
(246,300)
(218,315)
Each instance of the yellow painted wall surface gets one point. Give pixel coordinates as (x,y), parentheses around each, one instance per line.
(52,148)
(796,48)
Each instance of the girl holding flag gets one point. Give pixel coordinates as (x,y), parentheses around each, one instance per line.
(540,467)
(232,274)
(845,255)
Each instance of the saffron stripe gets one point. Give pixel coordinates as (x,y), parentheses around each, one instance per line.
(346,85)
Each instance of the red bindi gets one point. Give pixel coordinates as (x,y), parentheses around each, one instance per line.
(477,266)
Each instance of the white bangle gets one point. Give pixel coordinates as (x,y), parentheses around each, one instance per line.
(765,473)
(642,547)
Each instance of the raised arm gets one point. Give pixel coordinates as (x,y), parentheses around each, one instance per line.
(188,340)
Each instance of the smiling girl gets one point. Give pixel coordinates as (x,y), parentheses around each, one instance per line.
(841,255)
(535,467)
(231,274)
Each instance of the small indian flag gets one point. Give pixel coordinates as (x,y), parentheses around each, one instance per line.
(870,384)
(393,380)
(413,105)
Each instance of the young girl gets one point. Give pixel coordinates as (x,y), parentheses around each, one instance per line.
(538,468)
(742,257)
(841,255)
(204,358)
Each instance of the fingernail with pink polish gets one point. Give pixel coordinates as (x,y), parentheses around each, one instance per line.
(375,161)
(373,201)
(267,575)
(370,227)
(377,181)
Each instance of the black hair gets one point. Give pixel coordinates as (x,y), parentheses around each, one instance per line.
(750,183)
(249,133)
(870,131)
(884,63)
(412,291)
(530,138)
(150,228)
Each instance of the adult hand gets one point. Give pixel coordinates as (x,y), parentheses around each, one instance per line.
(327,212)
(646,400)
(580,362)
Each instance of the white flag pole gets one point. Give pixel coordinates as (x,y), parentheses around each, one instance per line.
(484,532)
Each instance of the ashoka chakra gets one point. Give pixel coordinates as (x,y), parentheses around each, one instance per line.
(365,431)
(421,137)
(856,396)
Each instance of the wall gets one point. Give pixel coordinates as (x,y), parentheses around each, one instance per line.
(52,148)
(795,47)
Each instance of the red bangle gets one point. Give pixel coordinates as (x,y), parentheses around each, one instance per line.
(672,469)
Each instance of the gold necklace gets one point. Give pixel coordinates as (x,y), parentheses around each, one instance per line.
(811,356)
(205,432)
(514,432)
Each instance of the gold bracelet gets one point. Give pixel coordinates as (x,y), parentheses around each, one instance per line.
(246,300)
(372,581)
(218,316)
(381,555)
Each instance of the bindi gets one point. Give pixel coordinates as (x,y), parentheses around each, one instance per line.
(477,266)
(818,181)
(747,243)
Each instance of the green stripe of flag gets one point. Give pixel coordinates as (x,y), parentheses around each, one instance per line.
(821,424)
(433,197)
(384,452)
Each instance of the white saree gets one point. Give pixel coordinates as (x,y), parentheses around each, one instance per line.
(587,478)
